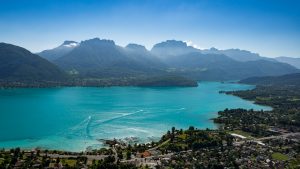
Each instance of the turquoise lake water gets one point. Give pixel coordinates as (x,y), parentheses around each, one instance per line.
(73,118)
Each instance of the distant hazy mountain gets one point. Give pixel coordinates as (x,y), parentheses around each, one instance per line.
(221,67)
(169,48)
(237,54)
(102,58)
(289,79)
(18,64)
(292,61)
(140,54)
(55,53)
(193,63)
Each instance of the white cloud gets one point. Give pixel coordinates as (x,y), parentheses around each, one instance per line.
(190,43)
(71,45)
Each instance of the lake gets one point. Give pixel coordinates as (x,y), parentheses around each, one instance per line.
(74,118)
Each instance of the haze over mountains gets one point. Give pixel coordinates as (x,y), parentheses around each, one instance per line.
(237,54)
(53,54)
(103,59)
(289,60)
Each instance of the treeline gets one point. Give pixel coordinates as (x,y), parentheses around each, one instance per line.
(157,81)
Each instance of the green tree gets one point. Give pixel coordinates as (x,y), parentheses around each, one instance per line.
(128,155)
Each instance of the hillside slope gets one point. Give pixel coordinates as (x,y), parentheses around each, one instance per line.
(18,64)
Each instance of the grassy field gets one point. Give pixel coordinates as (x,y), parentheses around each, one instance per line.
(279,156)
(182,136)
(294,163)
(70,162)
(263,98)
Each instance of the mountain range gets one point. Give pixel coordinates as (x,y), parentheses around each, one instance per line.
(103,59)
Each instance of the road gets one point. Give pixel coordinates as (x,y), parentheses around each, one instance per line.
(115,153)
(267,138)
(90,157)
(280,136)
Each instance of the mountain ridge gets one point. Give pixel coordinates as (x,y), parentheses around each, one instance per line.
(19,64)
(57,52)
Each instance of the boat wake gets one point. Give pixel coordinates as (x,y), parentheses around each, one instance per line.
(83,128)
(119,116)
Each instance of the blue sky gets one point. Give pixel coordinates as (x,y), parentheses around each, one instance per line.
(268,27)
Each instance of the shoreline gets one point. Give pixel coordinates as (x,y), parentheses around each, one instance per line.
(143,81)
(83,86)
